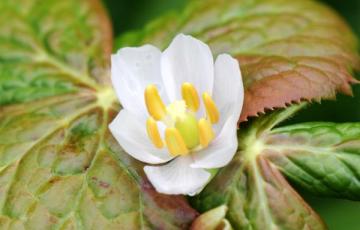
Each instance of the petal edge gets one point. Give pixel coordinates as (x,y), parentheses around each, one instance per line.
(177,177)
(132,137)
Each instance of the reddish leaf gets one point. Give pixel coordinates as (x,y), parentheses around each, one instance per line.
(288,50)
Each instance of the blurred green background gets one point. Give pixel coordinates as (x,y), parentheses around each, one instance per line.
(338,214)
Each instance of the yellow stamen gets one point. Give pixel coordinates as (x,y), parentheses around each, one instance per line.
(154,104)
(190,96)
(175,142)
(153,133)
(206,133)
(211,109)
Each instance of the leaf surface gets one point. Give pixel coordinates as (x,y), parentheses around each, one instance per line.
(258,197)
(253,188)
(323,158)
(320,157)
(288,50)
(60,168)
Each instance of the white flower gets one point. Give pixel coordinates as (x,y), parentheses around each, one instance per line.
(163,120)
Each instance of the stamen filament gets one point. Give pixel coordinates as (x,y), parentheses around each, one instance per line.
(154,104)
(175,142)
(153,133)
(190,96)
(184,132)
(206,133)
(211,108)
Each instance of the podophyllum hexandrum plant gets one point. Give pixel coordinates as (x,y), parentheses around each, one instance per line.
(60,167)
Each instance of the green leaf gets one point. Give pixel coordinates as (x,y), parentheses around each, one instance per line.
(257,194)
(323,158)
(38,55)
(258,197)
(320,157)
(288,50)
(60,168)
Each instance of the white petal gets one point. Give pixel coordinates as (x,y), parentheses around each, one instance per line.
(228,90)
(131,135)
(187,60)
(177,177)
(132,69)
(220,152)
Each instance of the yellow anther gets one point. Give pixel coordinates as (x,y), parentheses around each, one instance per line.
(175,142)
(206,133)
(153,133)
(211,109)
(154,104)
(190,96)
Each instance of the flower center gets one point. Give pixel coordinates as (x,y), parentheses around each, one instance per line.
(184,132)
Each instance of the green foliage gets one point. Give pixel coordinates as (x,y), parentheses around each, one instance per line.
(16,86)
(320,157)
(60,168)
(323,158)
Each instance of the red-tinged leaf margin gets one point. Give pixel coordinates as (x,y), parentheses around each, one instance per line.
(105,27)
(298,32)
(286,88)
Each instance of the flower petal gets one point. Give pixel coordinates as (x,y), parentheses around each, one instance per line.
(177,177)
(131,135)
(132,69)
(187,60)
(228,90)
(220,152)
